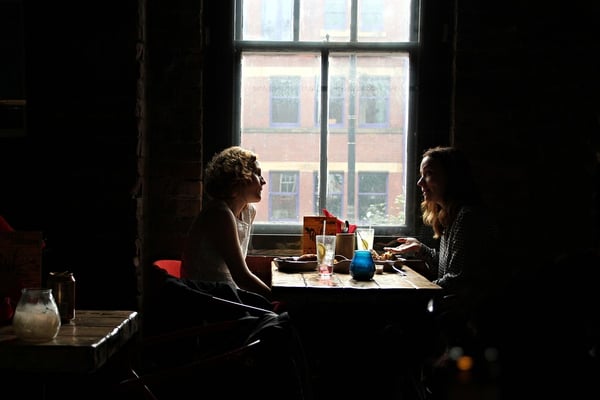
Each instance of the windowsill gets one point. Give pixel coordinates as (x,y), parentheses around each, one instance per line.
(291,245)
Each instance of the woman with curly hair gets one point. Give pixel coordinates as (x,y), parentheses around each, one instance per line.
(214,266)
(217,242)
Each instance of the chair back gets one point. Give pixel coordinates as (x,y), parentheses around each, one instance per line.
(173,267)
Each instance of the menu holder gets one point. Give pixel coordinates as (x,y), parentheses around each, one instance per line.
(313,226)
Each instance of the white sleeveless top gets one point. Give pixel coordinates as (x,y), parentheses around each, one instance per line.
(244,226)
(203,263)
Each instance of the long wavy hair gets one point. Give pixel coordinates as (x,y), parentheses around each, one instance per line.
(461,188)
(227,170)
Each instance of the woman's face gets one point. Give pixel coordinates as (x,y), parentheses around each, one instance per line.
(252,191)
(432,181)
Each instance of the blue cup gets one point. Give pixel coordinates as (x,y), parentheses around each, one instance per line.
(362,266)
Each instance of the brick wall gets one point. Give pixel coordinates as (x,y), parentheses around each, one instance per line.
(170,155)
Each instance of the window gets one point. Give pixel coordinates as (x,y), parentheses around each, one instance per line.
(335,14)
(371,16)
(325,97)
(372,198)
(373,103)
(285,101)
(337,102)
(337,95)
(277,19)
(283,196)
(335,193)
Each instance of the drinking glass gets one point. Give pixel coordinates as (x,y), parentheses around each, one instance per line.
(325,255)
(365,238)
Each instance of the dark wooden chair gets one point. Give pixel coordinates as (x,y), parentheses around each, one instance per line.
(162,377)
(175,362)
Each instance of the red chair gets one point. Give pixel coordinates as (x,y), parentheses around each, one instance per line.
(173,267)
(259,265)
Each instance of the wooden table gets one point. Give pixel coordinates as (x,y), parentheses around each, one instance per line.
(342,324)
(301,288)
(88,357)
(82,346)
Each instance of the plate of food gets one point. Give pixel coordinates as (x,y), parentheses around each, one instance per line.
(308,262)
(304,263)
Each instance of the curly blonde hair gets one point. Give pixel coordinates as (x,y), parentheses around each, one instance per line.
(227,170)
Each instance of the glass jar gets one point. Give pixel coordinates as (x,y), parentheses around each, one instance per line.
(362,266)
(36,317)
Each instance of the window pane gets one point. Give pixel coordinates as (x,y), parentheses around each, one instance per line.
(337,97)
(282,146)
(335,193)
(374,94)
(378,147)
(336,15)
(372,198)
(275,93)
(371,16)
(268,20)
(325,20)
(383,21)
(283,196)
(285,102)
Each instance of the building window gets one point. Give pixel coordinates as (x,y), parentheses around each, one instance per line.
(335,193)
(371,16)
(337,96)
(276,19)
(285,100)
(372,198)
(329,88)
(374,101)
(337,102)
(283,196)
(335,14)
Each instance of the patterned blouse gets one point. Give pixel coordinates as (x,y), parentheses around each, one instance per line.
(466,260)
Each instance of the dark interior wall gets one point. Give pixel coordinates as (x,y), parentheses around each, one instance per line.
(526,109)
(73,173)
(524,105)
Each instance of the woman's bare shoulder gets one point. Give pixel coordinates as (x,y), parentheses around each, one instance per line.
(213,215)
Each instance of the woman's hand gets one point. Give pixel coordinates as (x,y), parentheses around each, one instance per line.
(407,245)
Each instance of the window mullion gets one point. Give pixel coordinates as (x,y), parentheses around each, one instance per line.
(296,27)
(324,129)
(354,21)
(352,120)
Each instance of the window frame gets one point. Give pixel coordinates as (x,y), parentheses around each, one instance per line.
(413,47)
